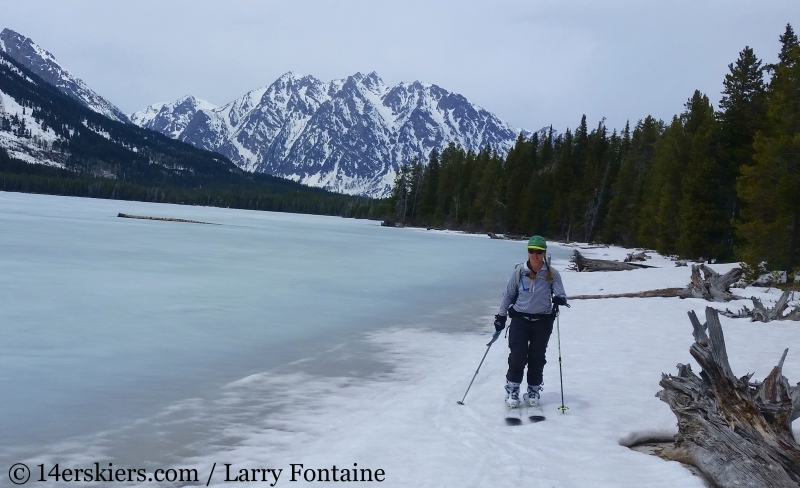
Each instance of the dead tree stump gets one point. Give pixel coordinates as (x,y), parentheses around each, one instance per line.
(737,433)
(581,264)
(761,313)
(636,256)
(712,286)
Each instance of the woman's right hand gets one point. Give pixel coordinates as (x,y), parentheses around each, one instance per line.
(499,322)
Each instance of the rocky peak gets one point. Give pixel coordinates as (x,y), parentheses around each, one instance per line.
(348,135)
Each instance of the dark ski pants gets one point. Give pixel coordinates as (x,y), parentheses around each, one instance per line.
(528,343)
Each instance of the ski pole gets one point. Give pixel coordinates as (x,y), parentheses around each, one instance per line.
(488,346)
(560,375)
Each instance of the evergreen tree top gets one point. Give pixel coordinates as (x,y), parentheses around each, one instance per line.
(788,42)
(745,82)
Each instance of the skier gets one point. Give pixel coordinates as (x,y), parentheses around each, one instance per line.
(534,293)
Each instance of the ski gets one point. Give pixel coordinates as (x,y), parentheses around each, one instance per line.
(513,416)
(535,414)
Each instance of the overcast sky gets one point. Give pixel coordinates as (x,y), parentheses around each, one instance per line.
(532,63)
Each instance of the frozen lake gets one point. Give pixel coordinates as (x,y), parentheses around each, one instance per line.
(110,323)
(275,339)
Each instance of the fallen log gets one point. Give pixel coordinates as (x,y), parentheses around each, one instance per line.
(663,292)
(636,256)
(737,433)
(760,313)
(712,286)
(581,264)
(166,219)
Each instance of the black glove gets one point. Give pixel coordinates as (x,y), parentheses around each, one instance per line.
(499,322)
(557,300)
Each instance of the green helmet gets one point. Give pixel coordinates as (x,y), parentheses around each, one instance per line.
(537,242)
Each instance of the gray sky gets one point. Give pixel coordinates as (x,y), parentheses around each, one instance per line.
(532,63)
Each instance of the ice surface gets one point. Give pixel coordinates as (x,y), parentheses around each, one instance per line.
(275,339)
(108,320)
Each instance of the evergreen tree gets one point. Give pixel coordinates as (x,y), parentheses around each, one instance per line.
(702,227)
(535,189)
(468,189)
(415,185)
(560,219)
(599,162)
(399,198)
(771,186)
(788,43)
(490,195)
(743,113)
(612,220)
(657,225)
(448,198)
(580,140)
(517,168)
(430,185)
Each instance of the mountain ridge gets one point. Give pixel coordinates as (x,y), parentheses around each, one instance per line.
(26,52)
(349,135)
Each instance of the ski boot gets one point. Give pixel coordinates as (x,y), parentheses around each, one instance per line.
(512,394)
(531,398)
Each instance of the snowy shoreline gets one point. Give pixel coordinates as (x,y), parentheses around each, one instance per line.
(407,422)
(382,396)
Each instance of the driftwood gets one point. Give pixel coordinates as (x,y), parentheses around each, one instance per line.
(713,286)
(663,292)
(737,433)
(507,237)
(166,219)
(581,264)
(760,313)
(636,256)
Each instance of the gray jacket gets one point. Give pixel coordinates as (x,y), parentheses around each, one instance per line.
(532,295)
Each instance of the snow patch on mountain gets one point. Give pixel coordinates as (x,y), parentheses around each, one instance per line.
(34,144)
(347,135)
(14,69)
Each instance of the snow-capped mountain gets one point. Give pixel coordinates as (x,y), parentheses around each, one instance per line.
(26,52)
(346,135)
(170,118)
(39,124)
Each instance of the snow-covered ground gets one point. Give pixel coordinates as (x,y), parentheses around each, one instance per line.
(403,418)
(408,423)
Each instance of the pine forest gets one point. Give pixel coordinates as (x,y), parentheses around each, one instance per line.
(709,184)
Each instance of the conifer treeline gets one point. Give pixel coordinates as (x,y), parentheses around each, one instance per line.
(256,194)
(721,184)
